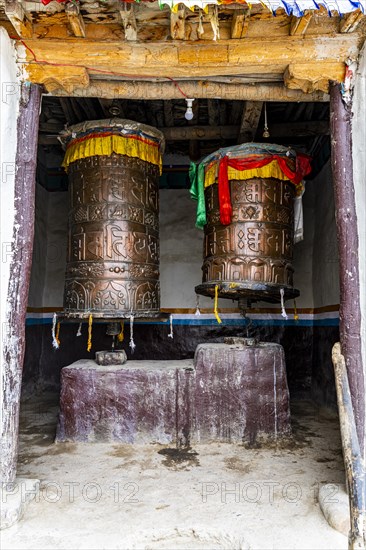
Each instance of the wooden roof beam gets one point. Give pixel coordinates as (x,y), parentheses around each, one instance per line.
(177,23)
(208,133)
(167,90)
(18,18)
(299,25)
(128,18)
(195,59)
(249,122)
(75,19)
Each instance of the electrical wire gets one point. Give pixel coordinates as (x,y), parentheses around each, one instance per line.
(94,69)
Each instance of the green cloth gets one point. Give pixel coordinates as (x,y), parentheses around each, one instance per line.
(197,191)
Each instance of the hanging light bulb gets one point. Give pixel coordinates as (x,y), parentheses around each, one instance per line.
(265,130)
(189,113)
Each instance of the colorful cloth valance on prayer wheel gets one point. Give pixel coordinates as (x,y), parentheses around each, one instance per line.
(243,162)
(102,138)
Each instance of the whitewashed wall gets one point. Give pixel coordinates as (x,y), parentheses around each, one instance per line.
(181,245)
(9,109)
(49,252)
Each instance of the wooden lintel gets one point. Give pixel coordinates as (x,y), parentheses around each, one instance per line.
(129,22)
(197,89)
(197,60)
(240,23)
(75,19)
(18,18)
(177,23)
(207,133)
(350,21)
(307,78)
(249,122)
(299,25)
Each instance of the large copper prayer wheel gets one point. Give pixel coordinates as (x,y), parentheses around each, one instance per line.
(113,250)
(251,258)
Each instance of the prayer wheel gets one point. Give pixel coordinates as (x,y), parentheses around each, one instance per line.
(113,250)
(249,193)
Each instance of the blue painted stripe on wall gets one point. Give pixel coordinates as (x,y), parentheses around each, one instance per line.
(225,322)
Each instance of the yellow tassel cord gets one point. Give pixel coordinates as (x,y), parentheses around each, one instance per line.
(57,335)
(121,334)
(216,304)
(90,325)
(296,316)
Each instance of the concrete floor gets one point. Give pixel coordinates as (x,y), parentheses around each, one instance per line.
(225,496)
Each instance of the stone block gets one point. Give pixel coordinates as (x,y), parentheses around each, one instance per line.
(131,403)
(241,392)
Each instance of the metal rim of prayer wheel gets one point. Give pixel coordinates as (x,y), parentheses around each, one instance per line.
(113,251)
(251,257)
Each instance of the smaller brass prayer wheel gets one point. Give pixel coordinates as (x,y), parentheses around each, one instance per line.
(249,258)
(113,252)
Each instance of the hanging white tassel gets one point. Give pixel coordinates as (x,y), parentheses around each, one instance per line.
(55,343)
(283,311)
(79,330)
(213,17)
(132,343)
(170,335)
(197,312)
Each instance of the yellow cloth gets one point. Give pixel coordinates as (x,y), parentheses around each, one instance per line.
(270,170)
(107,145)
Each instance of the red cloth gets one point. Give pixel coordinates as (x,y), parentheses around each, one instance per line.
(303,168)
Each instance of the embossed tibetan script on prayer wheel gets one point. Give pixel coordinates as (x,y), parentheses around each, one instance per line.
(249,229)
(113,250)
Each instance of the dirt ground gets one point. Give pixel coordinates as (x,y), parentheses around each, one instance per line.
(215,496)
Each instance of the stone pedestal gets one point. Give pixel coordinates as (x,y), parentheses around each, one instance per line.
(241,392)
(130,403)
(230,392)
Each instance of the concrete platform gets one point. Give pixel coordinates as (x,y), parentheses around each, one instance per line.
(14,498)
(229,393)
(217,495)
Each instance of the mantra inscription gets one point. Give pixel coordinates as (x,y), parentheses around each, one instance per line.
(254,252)
(113,250)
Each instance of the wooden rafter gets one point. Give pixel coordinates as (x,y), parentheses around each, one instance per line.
(299,25)
(249,122)
(177,23)
(168,113)
(75,19)
(18,18)
(240,23)
(350,21)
